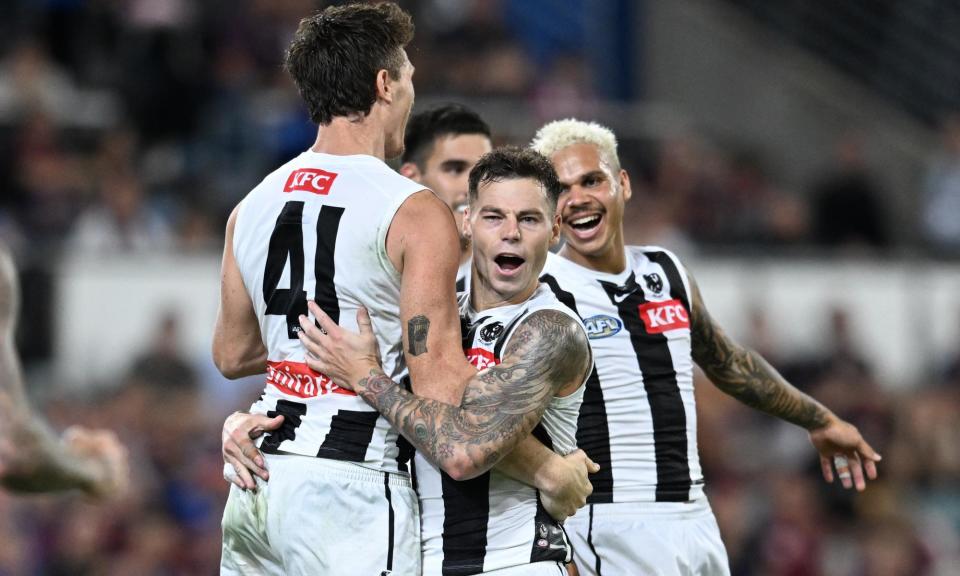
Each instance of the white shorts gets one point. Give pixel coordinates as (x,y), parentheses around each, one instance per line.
(320,516)
(639,538)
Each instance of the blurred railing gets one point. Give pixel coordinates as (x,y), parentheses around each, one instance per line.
(902,315)
(908,51)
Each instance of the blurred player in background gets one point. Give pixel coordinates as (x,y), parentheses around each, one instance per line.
(533,359)
(648,324)
(32,459)
(441,146)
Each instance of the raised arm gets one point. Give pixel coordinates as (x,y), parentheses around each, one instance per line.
(548,353)
(238,348)
(32,458)
(745,375)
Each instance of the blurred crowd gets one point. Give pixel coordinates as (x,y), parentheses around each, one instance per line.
(136,125)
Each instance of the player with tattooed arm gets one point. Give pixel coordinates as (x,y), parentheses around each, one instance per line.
(533,358)
(648,325)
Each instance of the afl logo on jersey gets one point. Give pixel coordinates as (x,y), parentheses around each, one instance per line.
(601,326)
(313,180)
(490,333)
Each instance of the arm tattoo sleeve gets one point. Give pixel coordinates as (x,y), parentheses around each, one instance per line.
(500,405)
(745,375)
(418,328)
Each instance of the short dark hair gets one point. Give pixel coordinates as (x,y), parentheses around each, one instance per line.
(513,162)
(425,127)
(336,54)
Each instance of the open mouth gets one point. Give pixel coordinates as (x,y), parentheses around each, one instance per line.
(508,262)
(585,223)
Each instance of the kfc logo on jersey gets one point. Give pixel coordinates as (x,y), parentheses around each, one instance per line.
(481,358)
(659,317)
(313,180)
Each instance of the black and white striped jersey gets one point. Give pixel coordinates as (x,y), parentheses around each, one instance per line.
(638,420)
(316,228)
(492,521)
(463,276)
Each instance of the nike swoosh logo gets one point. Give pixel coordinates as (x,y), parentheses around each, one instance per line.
(619,298)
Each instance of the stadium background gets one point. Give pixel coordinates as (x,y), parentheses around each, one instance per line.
(800,156)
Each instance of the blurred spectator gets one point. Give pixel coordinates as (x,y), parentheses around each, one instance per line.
(789,542)
(30,82)
(732,201)
(891,548)
(122,220)
(941,202)
(847,201)
(49,182)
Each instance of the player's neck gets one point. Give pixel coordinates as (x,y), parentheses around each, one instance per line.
(484,297)
(346,136)
(613,260)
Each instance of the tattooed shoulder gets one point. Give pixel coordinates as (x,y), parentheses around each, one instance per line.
(551,343)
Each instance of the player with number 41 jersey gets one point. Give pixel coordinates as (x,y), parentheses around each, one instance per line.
(327,219)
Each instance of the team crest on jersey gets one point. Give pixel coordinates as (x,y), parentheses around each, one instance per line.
(602,326)
(313,180)
(654,282)
(491,332)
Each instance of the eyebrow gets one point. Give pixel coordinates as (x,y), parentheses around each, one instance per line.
(522,213)
(599,174)
(453,163)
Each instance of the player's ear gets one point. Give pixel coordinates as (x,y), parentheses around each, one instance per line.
(555,231)
(384,90)
(411,171)
(466,228)
(625,185)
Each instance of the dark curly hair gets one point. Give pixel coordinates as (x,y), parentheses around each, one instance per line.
(513,162)
(336,54)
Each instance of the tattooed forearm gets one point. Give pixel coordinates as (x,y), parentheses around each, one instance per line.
(463,442)
(500,405)
(418,328)
(745,375)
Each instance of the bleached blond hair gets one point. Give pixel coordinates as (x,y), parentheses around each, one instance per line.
(559,134)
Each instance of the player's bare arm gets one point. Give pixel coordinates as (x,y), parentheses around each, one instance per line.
(547,355)
(32,457)
(745,375)
(238,348)
(423,245)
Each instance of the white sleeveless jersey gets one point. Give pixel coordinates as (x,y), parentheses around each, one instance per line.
(638,419)
(316,228)
(492,521)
